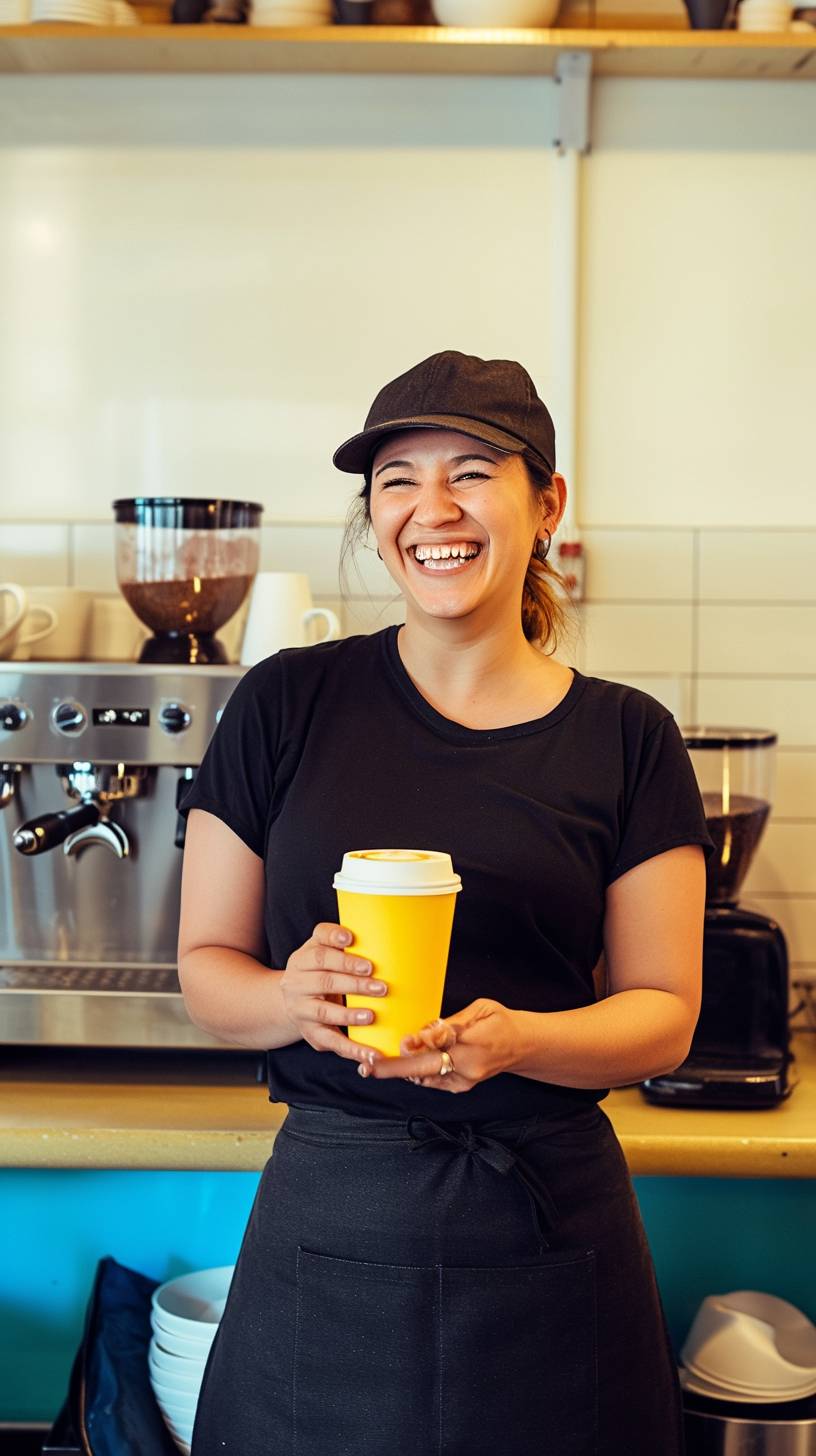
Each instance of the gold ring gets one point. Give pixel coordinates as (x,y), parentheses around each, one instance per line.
(447,1065)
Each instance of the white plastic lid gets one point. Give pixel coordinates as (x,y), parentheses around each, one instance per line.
(397,872)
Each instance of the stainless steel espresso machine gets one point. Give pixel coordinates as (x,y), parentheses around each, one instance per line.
(94,759)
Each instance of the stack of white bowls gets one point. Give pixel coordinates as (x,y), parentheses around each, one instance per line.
(184,1319)
(291,12)
(749,1346)
(764,15)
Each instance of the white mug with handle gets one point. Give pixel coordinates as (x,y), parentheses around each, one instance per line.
(13,637)
(280,613)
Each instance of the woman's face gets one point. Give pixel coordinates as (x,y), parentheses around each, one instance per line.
(456,521)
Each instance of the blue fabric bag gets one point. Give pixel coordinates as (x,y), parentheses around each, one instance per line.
(110,1409)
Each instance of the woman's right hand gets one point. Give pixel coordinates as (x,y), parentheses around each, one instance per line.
(317,977)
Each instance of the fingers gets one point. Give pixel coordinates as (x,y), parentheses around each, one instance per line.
(318,975)
(424,1065)
(327,933)
(322,971)
(440,1035)
(324,1040)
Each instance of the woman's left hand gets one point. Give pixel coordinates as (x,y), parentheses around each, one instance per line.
(482,1040)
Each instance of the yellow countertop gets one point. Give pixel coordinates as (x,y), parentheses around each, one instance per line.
(53,1116)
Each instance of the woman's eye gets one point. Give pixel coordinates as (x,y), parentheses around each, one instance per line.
(466,476)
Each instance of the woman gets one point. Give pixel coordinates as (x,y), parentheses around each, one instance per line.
(451,1275)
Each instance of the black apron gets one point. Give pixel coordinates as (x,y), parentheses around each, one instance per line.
(411,1286)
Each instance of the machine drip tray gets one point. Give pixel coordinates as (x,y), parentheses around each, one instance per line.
(56,976)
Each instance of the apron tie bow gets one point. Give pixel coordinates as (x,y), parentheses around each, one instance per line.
(494,1153)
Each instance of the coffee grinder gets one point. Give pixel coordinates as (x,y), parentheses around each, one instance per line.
(184,566)
(740,1052)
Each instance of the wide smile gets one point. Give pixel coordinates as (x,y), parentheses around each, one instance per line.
(448,560)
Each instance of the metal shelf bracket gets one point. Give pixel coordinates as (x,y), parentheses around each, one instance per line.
(573,77)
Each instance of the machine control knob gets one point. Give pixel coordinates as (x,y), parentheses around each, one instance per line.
(69,717)
(174,717)
(13,716)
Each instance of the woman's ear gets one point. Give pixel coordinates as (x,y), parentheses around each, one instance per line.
(557,502)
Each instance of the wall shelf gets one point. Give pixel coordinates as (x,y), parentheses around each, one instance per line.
(422,50)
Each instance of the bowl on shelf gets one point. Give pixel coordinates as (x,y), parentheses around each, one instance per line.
(192,1305)
(493,14)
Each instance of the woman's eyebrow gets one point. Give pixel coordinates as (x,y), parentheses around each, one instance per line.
(460,459)
(455,460)
(388,463)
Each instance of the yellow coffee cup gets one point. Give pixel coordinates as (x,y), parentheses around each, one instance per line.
(399,905)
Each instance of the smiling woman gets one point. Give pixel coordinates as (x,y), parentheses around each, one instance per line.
(445,1252)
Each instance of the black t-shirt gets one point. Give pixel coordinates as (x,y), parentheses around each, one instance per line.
(330,748)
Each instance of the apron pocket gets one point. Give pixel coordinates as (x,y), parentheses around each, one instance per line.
(443,1360)
(517,1359)
(365,1376)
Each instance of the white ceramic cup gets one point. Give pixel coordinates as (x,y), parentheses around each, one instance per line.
(115,633)
(280,613)
(17,629)
(67,639)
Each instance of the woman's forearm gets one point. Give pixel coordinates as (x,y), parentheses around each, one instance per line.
(233,996)
(624,1038)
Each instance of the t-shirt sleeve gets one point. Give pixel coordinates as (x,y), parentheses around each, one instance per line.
(236,776)
(662,804)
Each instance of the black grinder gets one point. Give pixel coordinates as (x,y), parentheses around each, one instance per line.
(740,1052)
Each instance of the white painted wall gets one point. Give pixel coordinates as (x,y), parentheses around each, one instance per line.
(203,281)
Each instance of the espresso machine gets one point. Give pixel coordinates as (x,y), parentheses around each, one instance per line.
(94,759)
(740,1052)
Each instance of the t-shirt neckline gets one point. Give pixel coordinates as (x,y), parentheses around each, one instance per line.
(460,732)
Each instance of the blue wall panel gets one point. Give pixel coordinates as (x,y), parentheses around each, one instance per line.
(706,1235)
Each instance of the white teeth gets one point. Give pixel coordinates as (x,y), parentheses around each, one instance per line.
(458,550)
(446,558)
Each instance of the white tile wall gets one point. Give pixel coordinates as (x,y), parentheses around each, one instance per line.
(34,554)
(92,557)
(786,704)
(758,639)
(638,565)
(638,638)
(758,566)
(785,861)
(795,792)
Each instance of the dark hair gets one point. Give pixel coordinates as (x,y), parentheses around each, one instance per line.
(544,614)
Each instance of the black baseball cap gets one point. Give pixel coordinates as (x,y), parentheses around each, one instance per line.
(493,400)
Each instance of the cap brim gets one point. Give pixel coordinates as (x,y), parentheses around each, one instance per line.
(355,454)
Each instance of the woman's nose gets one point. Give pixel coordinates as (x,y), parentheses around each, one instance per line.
(436,504)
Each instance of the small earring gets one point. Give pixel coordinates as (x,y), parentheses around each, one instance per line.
(378,553)
(541,550)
